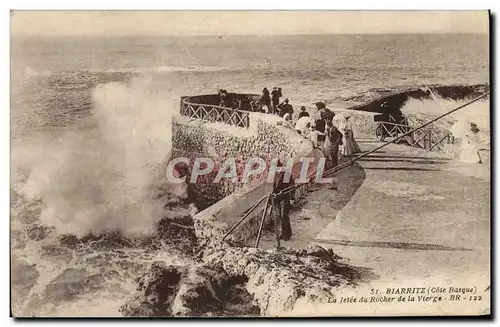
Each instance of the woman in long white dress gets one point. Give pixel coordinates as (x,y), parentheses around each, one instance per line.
(344,125)
(466,132)
(469,149)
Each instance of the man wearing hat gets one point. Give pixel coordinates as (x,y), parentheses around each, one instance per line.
(324,112)
(303,112)
(322,117)
(286,108)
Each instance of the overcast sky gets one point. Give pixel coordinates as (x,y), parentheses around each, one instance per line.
(123,23)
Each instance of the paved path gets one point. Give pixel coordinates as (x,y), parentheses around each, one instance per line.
(413,214)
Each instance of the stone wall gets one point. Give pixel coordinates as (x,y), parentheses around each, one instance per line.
(222,204)
(266,140)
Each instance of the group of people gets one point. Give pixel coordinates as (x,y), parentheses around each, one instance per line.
(229,100)
(266,103)
(327,131)
(269,102)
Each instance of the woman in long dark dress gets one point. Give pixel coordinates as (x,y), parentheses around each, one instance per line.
(332,144)
(282,204)
(265,99)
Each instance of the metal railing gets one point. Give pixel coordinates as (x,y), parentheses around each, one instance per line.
(213,113)
(427,139)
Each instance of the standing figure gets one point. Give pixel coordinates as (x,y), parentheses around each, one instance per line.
(350,144)
(469,149)
(303,112)
(282,204)
(265,99)
(222,97)
(322,116)
(324,112)
(469,144)
(275,99)
(331,147)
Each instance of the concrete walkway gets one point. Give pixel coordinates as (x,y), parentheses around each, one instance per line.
(414,213)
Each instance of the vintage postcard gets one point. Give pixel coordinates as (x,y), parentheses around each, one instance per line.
(250,163)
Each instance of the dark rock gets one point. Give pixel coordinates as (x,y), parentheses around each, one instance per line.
(156,291)
(71,284)
(197,290)
(199,293)
(69,240)
(55,252)
(176,231)
(318,251)
(37,232)
(110,240)
(309,275)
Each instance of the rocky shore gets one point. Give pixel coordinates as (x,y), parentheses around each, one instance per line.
(244,281)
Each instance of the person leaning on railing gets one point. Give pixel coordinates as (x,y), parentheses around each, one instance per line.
(222,97)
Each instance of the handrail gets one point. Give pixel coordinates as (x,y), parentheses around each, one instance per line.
(351,161)
(246,215)
(227,115)
(264,212)
(394,124)
(447,136)
(184,101)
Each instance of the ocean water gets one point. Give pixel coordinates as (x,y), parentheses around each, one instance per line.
(89,116)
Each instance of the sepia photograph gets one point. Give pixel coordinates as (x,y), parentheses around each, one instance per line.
(250,163)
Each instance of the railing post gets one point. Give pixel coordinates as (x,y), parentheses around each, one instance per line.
(244,217)
(262,220)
